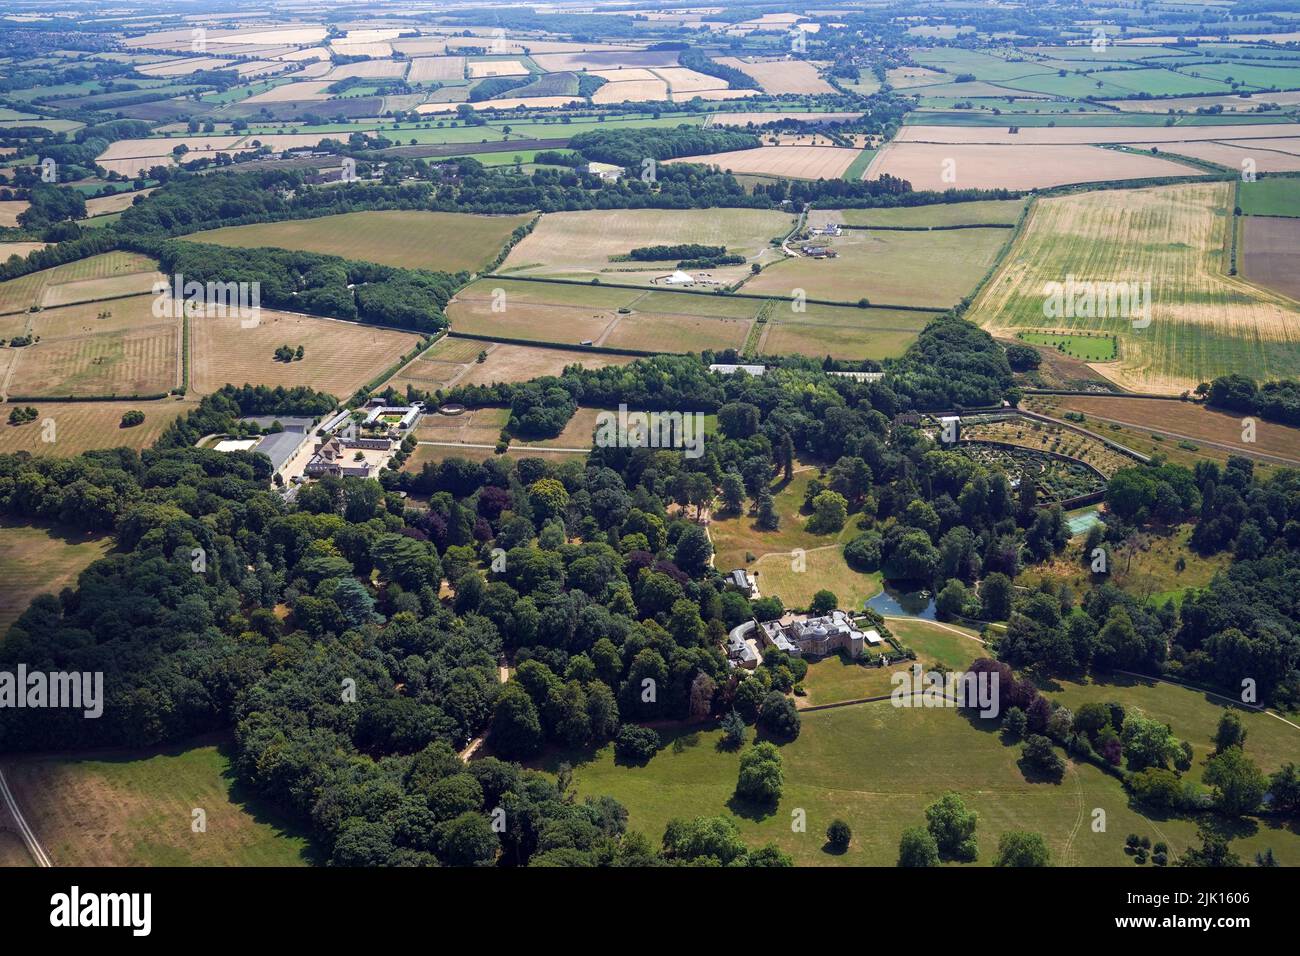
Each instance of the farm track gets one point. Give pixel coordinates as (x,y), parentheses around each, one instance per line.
(28,835)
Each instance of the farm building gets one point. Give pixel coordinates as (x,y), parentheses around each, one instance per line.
(397,418)
(742,581)
(606,171)
(724,369)
(819,252)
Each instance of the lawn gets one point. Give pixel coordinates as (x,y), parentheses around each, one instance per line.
(1192,714)
(735,536)
(40,560)
(795,579)
(877,767)
(1088,347)
(136,809)
(409,239)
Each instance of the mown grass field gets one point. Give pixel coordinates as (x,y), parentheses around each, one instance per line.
(736,536)
(1274,196)
(847,332)
(1005,211)
(823,567)
(136,809)
(578,245)
(40,559)
(409,239)
(18,295)
(1203,323)
(1089,348)
(338,357)
(81,426)
(890,267)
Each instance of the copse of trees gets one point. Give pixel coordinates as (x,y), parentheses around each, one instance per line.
(631,147)
(1275,401)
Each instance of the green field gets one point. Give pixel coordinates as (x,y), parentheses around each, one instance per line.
(982,211)
(40,560)
(137,809)
(411,239)
(877,766)
(1273,196)
(1089,348)
(1193,715)
(890,268)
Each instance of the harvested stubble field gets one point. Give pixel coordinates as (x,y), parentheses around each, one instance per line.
(781,76)
(93,318)
(436,69)
(1005,211)
(18,295)
(1207,428)
(82,426)
(40,560)
(102,205)
(339,357)
(92,290)
(933,269)
(455,362)
(943,166)
(1203,323)
(10,210)
(843,333)
(136,361)
(1235,154)
(409,239)
(1270,253)
(579,245)
(632,91)
(794,161)
(650,321)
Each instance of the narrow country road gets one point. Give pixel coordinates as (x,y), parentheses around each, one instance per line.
(29,837)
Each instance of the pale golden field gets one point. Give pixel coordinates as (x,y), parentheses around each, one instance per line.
(1276,157)
(482,68)
(289,92)
(1203,323)
(18,295)
(139,361)
(10,210)
(339,357)
(426,69)
(941,166)
(109,287)
(781,76)
(369,69)
(20,249)
(631,91)
(101,205)
(794,161)
(682,80)
(1230,104)
(578,245)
